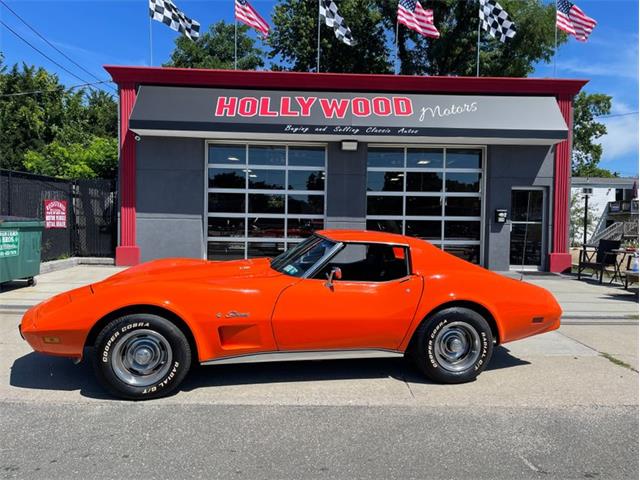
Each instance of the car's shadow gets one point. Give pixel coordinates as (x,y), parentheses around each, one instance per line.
(36,371)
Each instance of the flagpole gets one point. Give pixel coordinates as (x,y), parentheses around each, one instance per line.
(555,50)
(318,53)
(478,49)
(395,61)
(235,44)
(150,42)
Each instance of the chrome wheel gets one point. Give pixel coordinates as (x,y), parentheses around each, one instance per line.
(457,346)
(141,358)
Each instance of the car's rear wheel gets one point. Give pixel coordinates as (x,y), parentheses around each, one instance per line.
(141,356)
(453,345)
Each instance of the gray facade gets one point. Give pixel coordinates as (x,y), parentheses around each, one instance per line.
(170,197)
(172,209)
(510,167)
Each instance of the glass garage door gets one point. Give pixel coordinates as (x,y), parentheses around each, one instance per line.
(431,193)
(262,197)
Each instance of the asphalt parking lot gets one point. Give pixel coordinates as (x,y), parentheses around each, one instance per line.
(560,405)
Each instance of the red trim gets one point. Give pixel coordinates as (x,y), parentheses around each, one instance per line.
(560,258)
(342,81)
(127,252)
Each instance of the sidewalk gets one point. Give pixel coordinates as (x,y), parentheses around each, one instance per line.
(587,302)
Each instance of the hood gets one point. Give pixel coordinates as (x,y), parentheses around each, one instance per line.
(184,269)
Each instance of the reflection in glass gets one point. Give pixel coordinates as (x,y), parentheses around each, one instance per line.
(461,230)
(526,244)
(231,154)
(263,203)
(225,227)
(264,249)
(306,180)
(303,227)
(226,178)
(427,229)
(266,227)
(470,253)
(306,156)
(425,157)
(462,206)
(385,181)
(385,157)
(225,250)
(424,206)
(266,179)
(227,202)
(379,205)
(266,155)
(424,182)
(390,226)
(307,204)
(463,182)
(526,205)
(464,158)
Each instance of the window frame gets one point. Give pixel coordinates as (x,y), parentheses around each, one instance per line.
(341,245)
(403,217)
(246,239)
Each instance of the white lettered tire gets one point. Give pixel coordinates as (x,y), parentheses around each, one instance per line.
(453,346)
(141,356)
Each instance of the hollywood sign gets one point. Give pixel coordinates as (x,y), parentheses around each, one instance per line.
(304,106)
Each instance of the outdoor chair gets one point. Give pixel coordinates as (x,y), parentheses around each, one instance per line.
(598,259)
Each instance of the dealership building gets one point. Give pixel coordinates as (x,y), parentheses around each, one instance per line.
(234,164)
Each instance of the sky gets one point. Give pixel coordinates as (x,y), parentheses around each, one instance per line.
(101,32)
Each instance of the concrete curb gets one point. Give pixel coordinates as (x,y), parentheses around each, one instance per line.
(55,265)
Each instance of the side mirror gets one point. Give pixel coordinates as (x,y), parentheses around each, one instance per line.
(334,274)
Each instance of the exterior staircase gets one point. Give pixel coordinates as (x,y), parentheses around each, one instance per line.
(616,231)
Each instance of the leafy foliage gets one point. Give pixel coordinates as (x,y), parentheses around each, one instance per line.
(215,49)
(587,129)
(43,122)
(454,53)
(294,38)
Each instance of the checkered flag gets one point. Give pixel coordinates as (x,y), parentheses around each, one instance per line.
(165,11)
(495,20)
(329,13)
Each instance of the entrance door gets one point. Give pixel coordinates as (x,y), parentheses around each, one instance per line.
(527,228)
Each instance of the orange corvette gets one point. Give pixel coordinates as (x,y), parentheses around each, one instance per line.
(337,294)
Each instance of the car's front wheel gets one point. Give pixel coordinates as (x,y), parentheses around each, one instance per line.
(141,356)
(453,346)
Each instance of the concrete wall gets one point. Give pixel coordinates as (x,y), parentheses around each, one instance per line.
(346,187)
(170,197)
(507,167)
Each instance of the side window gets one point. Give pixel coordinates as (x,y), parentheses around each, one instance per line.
(369,262)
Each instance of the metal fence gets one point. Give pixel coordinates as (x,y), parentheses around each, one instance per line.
(91,212)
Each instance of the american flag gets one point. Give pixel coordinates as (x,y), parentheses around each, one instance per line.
(411,14)
(249,16)
(574,21)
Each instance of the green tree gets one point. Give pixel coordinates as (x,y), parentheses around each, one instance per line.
(454,53)
(215,49)
(294,38)
(40,117)
(31,120)
(587,153)
(97,157)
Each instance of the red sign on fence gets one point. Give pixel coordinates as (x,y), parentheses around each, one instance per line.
(55,214)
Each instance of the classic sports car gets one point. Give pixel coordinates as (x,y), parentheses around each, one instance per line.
(337,294)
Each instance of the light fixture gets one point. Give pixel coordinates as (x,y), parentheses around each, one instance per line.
(233,159)
(424,162)
(349,145)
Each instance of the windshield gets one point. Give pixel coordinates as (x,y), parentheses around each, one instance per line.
(299,259)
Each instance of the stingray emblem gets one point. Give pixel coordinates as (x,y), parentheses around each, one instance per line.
(232,314)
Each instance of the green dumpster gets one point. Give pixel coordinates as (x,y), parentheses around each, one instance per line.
(20,241)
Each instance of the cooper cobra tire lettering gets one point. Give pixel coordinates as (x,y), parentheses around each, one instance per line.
(427,355)
(132,385)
